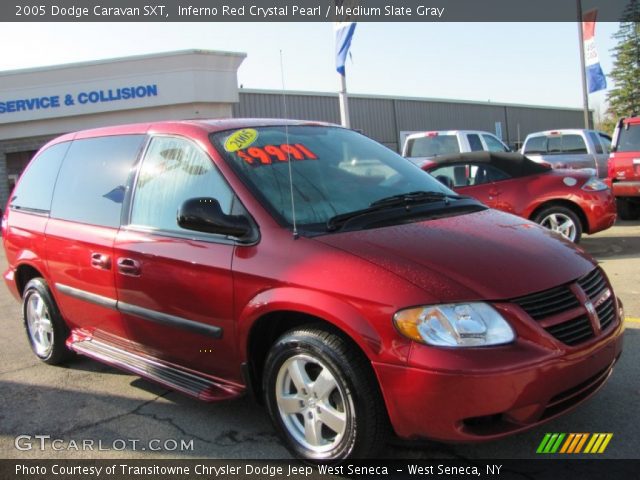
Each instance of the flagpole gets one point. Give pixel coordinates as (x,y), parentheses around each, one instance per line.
(344,33)
(344,103)
(583,71)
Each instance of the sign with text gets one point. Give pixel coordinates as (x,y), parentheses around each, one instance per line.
(62,100)
(304,10)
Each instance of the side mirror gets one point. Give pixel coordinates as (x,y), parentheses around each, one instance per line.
(205,215)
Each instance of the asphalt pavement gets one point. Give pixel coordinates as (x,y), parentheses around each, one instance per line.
(66,409)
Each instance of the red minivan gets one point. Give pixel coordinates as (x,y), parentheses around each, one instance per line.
(350,291)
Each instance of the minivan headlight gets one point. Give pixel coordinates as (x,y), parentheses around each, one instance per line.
(454,325)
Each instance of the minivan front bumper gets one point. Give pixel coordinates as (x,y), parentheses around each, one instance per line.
(10,281)
(490,402)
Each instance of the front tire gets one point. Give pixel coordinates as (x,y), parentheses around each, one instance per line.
(46,330)
(323,398)
(562,220)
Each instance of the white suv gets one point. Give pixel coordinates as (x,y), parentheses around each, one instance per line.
(425,145)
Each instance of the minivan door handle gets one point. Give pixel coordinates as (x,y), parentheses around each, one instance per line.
(129,266)
(101,261)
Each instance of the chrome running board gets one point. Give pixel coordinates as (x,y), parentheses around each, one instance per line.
(190,383)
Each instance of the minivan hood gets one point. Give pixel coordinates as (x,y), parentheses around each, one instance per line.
(488,255)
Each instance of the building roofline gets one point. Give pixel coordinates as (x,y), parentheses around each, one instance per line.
(174,53)
(410,99)
(104,61)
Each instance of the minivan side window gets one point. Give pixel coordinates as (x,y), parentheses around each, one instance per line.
(35,188)
(93,178)
(174,170)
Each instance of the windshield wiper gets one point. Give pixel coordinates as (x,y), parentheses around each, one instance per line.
(416,197)
(394,201)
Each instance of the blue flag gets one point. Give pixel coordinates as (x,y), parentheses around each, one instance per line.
(596,80)
(344,34)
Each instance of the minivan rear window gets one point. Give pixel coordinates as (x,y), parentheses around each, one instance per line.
(35,188)
(93,178)
(629,140)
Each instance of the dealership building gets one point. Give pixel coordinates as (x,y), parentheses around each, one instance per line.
(39,104)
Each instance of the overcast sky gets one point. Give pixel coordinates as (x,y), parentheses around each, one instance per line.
(530,63)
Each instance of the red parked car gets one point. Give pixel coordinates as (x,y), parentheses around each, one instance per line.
(570,202)
(304,262)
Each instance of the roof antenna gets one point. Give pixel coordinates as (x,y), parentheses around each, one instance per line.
(286,134)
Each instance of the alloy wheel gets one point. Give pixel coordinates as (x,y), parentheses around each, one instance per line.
(561,223)
(39,325)
(312,404)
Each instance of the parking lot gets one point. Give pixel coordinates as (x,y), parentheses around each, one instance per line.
(127,417)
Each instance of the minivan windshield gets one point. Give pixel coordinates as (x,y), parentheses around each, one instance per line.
(629,138)
(334,172)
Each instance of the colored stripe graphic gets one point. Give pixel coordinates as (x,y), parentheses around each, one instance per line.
(605,443)
(555,447)
(592,443)
(599,441)
(576,439)
(568,443)
(543,443)
(581,443)
(550,443)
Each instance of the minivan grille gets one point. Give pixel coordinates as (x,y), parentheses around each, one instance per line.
(593,283)
(557,300)
(550,302)
(573,332)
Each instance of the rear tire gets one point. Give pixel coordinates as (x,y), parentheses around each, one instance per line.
(46,330)
(323,398)
(627,208)
(562,220)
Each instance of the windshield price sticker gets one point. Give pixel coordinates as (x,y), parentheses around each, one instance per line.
(240,139)
(270,154)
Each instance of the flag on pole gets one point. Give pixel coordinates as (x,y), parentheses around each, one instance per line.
(344,34)
(595,76)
